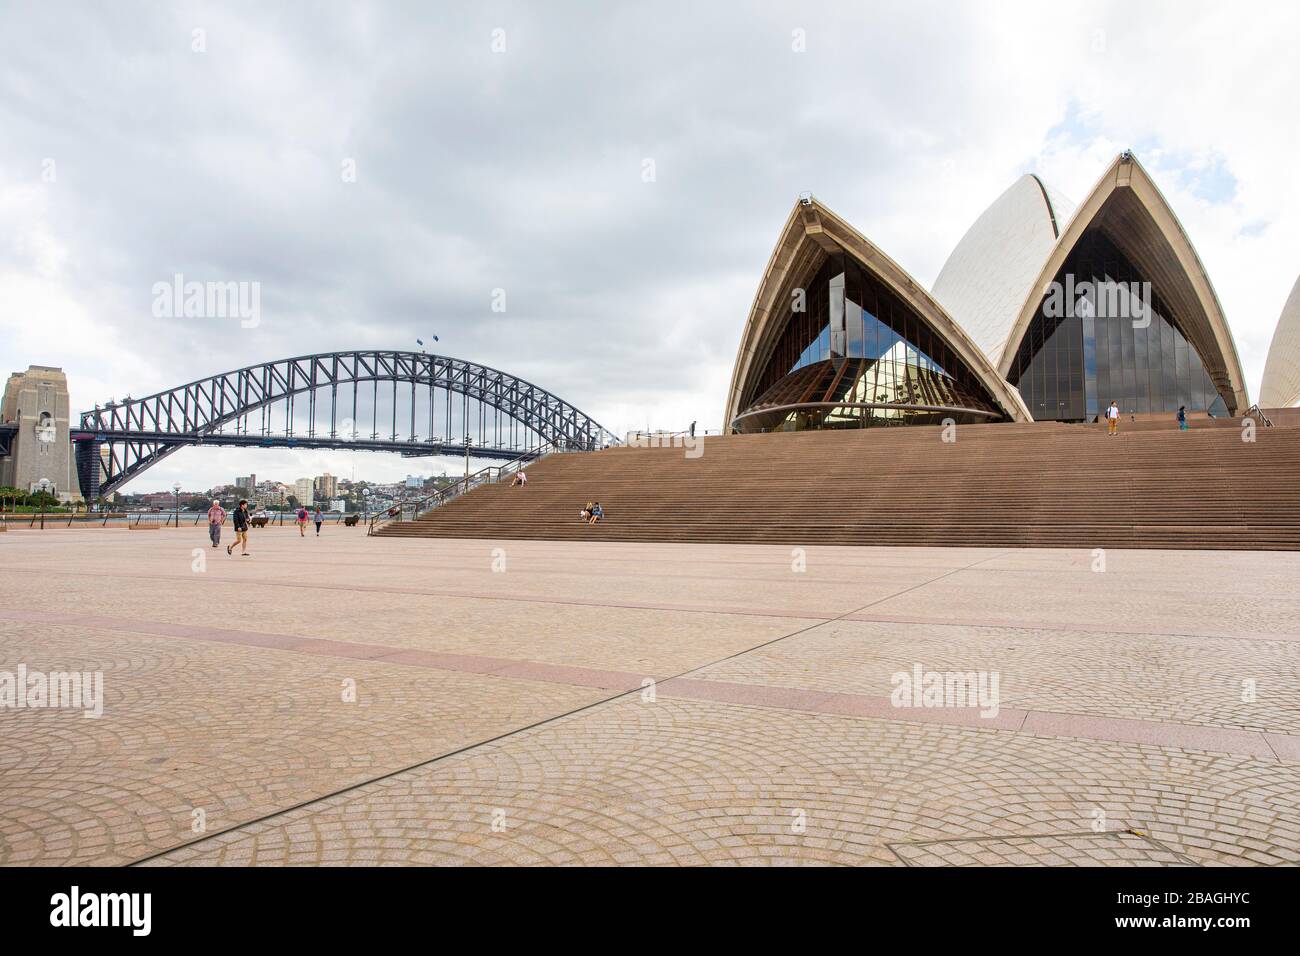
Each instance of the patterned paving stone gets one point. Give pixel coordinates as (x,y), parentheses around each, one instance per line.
(234,732)
(1083,849)
(686,782)
(483,729)
(1211,682)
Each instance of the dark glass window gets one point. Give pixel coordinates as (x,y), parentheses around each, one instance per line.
(1108,347)
(858,345)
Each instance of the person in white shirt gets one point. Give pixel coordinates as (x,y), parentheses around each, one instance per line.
(1112,418)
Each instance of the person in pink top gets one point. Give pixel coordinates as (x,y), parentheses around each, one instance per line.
(216,518)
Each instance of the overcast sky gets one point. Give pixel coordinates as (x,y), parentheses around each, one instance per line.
(133,148)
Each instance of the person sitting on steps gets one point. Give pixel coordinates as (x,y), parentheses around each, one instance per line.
(597,512)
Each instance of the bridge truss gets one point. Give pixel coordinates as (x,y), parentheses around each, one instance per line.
(406,402)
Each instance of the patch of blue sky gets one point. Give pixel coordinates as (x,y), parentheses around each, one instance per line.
(1204,174)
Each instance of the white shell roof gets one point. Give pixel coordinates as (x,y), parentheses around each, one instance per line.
(1281,387)
(988,276)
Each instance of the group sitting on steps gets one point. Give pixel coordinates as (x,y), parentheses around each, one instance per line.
(591,512)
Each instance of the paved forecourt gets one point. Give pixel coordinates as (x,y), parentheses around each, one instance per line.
(351,700)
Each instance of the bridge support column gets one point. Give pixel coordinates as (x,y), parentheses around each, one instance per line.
(89,471)
(88,468)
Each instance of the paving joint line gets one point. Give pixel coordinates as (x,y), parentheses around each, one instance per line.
(1263,735)
(509,733)
(1141,835)
(1009,739)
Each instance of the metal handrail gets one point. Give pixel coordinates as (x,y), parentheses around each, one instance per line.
(419,506)
(661,434)
(1259,413)
(484,476)
(166,519)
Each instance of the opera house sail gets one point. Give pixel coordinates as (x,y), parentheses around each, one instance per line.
(1281,386)
(1121,308)
(1042,311)
(990,273)
(840,336)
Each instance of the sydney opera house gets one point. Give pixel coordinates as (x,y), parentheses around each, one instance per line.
(1043,311)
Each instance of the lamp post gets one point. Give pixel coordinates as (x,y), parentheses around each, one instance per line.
(44,485)
(468,441)
(177,488)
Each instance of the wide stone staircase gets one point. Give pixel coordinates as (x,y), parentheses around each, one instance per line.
(1035,485)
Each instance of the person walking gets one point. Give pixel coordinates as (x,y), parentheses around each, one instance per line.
(318,518)
(1182,418)
(216,518)
(1112,419)
(302,521)
(241,529)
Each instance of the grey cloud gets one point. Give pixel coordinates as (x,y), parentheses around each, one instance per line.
(478,170)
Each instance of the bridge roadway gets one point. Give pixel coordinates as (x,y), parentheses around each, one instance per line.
(407,448)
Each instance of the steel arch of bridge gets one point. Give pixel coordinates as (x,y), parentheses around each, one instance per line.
(118,441)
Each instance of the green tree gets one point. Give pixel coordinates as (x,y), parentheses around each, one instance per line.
(42,501)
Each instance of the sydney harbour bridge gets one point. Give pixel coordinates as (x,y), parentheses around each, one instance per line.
(411,403)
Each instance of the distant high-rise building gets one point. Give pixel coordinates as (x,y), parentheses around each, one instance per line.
(414,481)
(302,490)
(327,485)
(248,483)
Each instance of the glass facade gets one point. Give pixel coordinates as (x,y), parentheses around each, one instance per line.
(1105,346)
(855,356)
